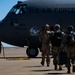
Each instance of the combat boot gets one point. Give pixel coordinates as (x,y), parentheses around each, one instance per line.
(47,64)
(60,67)
(42,63)
(73,68)
(55,67)
(68,68)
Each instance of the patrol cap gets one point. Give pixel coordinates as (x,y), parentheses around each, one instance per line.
(70,28)
(57,26)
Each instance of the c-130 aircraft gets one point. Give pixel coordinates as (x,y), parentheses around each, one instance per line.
(23,23)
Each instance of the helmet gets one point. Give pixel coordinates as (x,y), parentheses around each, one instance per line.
(47,25)
(57,27)
(70,28)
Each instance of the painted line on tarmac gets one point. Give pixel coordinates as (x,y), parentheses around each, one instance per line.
(15,58)
(18,58)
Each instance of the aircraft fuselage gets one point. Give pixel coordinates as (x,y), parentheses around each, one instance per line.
(17,26)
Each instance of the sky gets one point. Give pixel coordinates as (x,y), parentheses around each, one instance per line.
(5,6)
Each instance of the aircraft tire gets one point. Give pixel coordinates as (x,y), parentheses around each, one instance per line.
(32,52)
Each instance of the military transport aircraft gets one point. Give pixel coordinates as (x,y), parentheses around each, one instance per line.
(23,23)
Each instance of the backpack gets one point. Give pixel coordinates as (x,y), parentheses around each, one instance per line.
(56,39)
(70,38)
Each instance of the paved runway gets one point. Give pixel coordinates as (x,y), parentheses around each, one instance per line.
(26,67)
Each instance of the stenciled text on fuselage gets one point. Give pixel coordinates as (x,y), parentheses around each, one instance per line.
(50,10)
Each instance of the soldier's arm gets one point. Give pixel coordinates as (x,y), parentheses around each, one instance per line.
(51,35)
(63,40)
(40,37)
(74,35)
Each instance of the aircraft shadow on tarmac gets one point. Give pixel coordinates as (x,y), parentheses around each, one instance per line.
(45,70)
(40,70)
(56,74)
(31,66)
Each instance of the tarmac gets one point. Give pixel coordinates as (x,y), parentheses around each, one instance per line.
(10,65)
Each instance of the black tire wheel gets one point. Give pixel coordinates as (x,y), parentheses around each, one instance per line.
(32,52)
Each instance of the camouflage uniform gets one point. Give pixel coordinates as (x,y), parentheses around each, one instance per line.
(70,57)
(45,47)
(70,49)
(56,49)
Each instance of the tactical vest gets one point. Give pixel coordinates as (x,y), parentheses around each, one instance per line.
(56,39)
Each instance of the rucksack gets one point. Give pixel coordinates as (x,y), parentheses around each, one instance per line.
(56,39)
(70,38)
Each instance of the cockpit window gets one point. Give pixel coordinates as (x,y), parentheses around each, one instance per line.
(18,9)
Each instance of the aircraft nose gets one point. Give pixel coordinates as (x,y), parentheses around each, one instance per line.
(0,23)
(1,29)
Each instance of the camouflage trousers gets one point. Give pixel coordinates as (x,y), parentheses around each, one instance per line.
(70,50)
(55,52)
(45,52)
(70,54)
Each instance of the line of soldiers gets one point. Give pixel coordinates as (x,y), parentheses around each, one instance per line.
(61,44)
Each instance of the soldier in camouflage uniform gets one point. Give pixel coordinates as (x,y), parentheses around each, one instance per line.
(57,44)
(45,45)
(70,48)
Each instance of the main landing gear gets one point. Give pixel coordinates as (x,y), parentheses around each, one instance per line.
(32,52)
